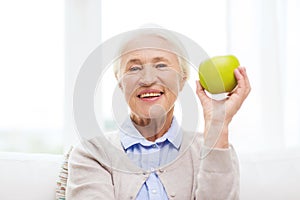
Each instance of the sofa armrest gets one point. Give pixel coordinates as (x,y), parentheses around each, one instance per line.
(29,176)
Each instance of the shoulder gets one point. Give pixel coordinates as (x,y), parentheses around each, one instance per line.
(192,139)
(106,150)
(96,148)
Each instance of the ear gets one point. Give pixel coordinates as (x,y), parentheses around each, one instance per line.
(119,82)
(120,86)
(182,81)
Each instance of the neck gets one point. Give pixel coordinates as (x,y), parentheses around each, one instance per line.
(153,128)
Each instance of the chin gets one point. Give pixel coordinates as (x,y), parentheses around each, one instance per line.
(156,111)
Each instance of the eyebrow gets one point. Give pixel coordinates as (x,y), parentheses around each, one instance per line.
(133,61)
(138,61)
(157,59)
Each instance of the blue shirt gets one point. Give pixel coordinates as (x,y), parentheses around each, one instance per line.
(150,155)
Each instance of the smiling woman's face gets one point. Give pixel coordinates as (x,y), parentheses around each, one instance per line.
(151,80)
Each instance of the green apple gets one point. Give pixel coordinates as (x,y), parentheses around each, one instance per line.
(217,74)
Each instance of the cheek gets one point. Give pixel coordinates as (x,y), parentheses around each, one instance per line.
(172,81)
(129,85)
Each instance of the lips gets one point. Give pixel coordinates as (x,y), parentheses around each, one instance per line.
(150,94)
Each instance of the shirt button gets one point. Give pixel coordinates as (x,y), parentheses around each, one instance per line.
(153,191)
(154,146)
(152,169)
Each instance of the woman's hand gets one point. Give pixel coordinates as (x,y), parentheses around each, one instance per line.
(219,113)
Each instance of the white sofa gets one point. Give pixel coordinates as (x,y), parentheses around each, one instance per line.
(273,176)
(29,176)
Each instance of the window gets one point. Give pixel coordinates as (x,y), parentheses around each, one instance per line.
(32,75)
(265,36)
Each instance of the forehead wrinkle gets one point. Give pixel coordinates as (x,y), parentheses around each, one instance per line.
(138,57)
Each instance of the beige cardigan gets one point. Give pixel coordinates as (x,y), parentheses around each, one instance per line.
(100,169)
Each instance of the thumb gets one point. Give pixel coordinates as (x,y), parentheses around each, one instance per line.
(200,92)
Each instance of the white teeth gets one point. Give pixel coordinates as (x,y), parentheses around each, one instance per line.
(150,95)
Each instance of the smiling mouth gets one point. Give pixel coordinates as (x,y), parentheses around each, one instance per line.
(150,95)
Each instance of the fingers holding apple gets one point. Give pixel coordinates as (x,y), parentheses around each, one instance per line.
(243,83)
(222,74)
(240,93)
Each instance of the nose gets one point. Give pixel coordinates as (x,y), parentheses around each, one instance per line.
(148,77)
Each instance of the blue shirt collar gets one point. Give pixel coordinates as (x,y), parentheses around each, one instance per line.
(130,136)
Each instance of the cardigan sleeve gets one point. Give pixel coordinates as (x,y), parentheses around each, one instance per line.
(218,176)
(87,178)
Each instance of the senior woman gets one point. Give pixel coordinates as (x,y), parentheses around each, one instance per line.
(157,159)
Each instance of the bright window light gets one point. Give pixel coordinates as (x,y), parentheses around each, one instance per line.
(31,75)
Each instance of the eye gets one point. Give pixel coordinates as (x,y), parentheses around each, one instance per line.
(160,65)
(135,68)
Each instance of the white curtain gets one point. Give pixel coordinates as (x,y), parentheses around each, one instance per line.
(265,36)
(266,132)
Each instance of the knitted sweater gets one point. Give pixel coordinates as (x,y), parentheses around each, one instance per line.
(100,169)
